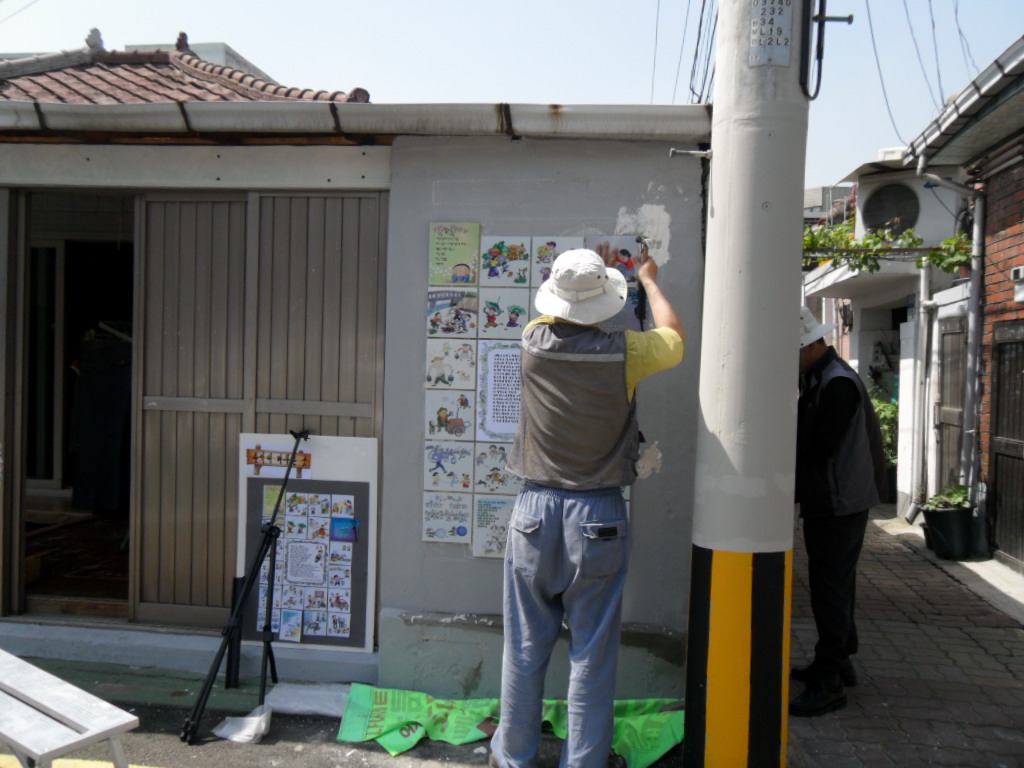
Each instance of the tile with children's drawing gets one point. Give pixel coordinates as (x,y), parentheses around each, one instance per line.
(342,506)
(453,253)
(339,600)
(341,552)
(447,466)
(447,517)
(452,312)
(292,597)
(450,364)
(449,415)
(291,626)
(338,624)
(337,579)
(314,623)
(318,504)
(319,528)
(295,527)
(504,261)
(545,250)
(490,524)
(504,312)
(490,475)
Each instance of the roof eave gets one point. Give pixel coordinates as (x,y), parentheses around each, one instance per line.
(691,122)
(940,139)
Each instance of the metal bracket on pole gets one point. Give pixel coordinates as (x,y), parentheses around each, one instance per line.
(704,153)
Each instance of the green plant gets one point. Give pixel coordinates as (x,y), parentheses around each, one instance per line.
(889,420)
(951,497)
(953,253)
(838,243)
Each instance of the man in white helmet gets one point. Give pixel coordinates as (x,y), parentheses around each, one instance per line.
(568,540)
(840,473)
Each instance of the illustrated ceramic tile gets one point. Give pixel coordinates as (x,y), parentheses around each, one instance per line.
(447,466)
(342,505)
(504,261)
(449,415)
(452,312)
(453,253)
(504,312)
(498,395)
(545,250)
(448,517)
(490,525)
(490,473)
(450,364)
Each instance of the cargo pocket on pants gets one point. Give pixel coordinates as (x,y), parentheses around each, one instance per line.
(604,548)
(524,542)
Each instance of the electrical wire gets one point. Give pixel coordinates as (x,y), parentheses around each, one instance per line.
(920,61)
(696,52)
(654,63)
(935,46)
(24,7)
(682,47)
(965,47)
(878,65)
(702,69)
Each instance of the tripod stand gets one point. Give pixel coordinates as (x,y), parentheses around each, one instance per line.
(232,630)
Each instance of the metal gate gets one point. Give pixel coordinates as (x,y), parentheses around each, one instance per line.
(949,411)
(259,314)
(1006,459)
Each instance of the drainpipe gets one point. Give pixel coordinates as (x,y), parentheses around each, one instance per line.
(969,454)
(919,429)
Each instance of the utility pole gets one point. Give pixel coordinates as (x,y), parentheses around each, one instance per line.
(737,672)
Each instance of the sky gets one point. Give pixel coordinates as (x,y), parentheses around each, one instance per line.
(624,52)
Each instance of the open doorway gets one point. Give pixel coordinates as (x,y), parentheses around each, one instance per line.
(79,358)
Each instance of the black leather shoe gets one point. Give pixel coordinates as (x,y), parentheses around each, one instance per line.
(817,699)
(847,673)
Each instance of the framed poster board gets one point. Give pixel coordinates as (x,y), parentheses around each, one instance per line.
(325,573)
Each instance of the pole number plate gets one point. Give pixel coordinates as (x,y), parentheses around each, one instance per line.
(771,33)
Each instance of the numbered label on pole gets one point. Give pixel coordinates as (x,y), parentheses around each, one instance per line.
(771,33)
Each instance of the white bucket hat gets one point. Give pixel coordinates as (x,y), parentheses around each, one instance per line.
(581,288)
(810,329)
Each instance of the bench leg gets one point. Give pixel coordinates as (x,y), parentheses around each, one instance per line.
(120,761)
(24,759)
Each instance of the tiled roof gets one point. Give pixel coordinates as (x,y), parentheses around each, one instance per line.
(92,75)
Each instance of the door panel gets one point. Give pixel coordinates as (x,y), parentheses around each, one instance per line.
(260,315)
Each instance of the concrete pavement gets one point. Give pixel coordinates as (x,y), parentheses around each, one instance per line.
(941,661)
(941,671)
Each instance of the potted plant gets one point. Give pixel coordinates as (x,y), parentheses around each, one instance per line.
(949,516)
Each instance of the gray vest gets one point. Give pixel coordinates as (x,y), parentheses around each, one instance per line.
(577,429)
(851,471)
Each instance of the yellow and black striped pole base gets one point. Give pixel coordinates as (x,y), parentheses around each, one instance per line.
(737,661)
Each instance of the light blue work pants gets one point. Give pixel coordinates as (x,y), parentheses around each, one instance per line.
(566,556)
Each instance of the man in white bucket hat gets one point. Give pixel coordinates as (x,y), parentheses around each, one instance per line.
(839,476)
(568,539)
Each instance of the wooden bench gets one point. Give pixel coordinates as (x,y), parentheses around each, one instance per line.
(43,717)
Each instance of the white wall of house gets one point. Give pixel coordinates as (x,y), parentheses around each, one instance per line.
(439,627)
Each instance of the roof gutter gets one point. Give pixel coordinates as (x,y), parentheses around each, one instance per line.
(691,122)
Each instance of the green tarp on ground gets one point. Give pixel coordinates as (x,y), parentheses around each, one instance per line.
(645,729)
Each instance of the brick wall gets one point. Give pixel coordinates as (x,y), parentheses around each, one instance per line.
(1004,248)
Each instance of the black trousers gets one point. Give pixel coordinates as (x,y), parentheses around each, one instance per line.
(833,548)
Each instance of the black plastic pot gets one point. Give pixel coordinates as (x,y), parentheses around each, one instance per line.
(950,532)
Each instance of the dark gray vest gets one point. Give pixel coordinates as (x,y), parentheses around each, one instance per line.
(851,471)
(577,429)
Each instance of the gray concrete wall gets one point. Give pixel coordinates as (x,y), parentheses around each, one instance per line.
(440,627)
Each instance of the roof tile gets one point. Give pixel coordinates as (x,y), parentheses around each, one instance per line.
(92,75)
